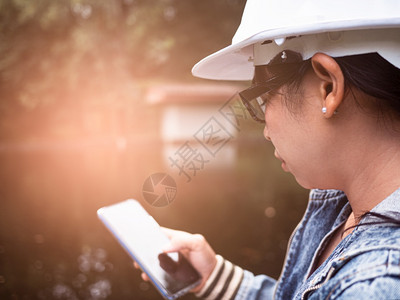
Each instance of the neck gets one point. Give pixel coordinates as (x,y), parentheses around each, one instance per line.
(374,176)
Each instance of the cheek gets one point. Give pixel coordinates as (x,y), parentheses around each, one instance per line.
(295,146)
(274,120)
(287,132)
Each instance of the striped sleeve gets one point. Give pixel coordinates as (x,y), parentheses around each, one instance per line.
(223,282)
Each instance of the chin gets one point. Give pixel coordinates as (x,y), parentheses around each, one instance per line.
(313,183)
(305,184)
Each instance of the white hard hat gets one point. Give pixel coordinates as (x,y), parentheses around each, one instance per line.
(335,27)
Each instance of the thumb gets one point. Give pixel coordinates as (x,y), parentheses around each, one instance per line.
(178,243)
(180,240)
(171,248)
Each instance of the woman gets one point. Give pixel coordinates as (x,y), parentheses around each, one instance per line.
(326,83)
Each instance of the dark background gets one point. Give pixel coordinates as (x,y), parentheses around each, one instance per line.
(77,133)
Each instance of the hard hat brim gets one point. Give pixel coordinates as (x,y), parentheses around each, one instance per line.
(236,62)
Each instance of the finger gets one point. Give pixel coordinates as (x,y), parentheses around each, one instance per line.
(184,241)
(135,264)
(174,237)
(171,232)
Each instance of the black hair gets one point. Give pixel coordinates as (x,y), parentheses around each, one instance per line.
(376,77)
(370,73)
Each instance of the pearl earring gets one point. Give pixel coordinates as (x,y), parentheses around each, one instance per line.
(324,110)
(283,56)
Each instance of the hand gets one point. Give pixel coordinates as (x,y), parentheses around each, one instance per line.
(195,248)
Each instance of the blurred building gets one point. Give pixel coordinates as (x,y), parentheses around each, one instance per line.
(198,123)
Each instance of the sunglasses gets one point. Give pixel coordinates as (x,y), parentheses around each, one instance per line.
(255,97)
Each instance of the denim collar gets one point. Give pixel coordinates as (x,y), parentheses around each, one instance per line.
(390,206)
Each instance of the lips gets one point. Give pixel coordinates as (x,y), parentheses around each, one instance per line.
(278,156)
(283,165)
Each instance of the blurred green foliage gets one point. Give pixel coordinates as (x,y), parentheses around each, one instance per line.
(90,50)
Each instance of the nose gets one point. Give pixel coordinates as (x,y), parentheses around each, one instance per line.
(266,135)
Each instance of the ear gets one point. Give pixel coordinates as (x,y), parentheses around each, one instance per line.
(331,82)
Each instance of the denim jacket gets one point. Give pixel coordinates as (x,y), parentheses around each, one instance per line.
(365,264)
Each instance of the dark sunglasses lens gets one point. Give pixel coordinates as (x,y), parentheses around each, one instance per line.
(257,108)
